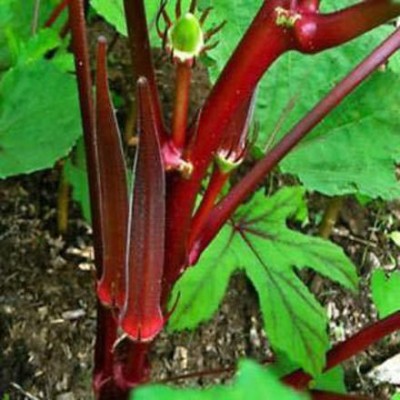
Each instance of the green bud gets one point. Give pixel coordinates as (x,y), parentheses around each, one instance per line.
(227,165)
(186,39)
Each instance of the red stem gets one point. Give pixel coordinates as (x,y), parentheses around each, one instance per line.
(217,182)
(131,367)
(309,5)
(352,346)
(140,49)
(320,395)
(316,32)
(106,335)
(251,59)
(56,13)
(106,326)
(227,206)
(181,106)
(82,66)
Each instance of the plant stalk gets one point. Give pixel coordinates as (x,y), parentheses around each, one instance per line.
(325,228)
(64,190)
(217,182)
(140,50)
(250,60)
(320,395)
(82,66)
(349,348)
(315,32)
(106,336)
(56,13)
(181,106)
(106,331)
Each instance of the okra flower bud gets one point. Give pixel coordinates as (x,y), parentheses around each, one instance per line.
(185,39)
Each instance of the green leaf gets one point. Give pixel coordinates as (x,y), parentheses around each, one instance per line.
(395,236)
(113,12)
(385,292)
(252,381)
(259,242)
(331,381)
(396,397)
(354,150)
(37,46)
(39,117)
(238,14)
(16,20)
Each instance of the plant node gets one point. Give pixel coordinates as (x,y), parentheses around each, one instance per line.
(186,169)
(173,161)
(228,161)
(286,18)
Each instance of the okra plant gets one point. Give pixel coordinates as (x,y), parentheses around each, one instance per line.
(165,249)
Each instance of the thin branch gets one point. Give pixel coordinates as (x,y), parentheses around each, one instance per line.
(321,395)
(56,13)
(212,372)
(329,220)
(315,32)
(349,348)
(82,66)
(217,182)
(197,375)
(106,330)
(142,63)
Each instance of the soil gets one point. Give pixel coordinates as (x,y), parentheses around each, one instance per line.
(47,302)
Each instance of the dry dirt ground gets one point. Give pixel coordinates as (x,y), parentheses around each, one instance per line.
(47,303)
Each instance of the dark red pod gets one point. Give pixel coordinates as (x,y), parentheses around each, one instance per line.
(141,317)
(113,189)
